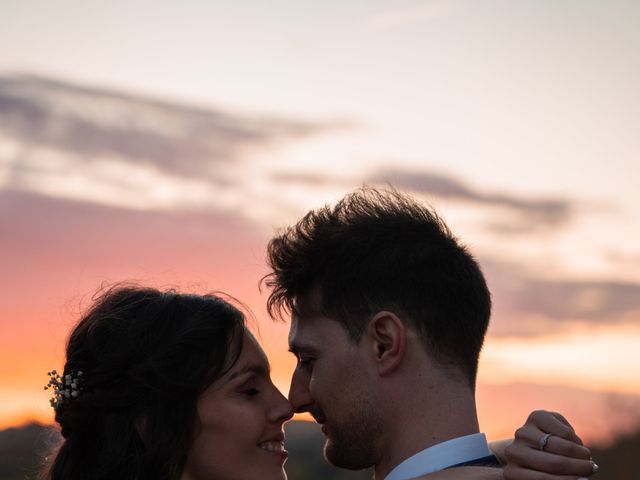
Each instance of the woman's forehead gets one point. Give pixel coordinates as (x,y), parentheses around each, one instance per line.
(252,354)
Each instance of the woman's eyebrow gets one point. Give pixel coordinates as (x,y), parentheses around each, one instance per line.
(251,368)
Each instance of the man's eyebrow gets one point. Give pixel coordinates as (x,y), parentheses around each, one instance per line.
(252,368)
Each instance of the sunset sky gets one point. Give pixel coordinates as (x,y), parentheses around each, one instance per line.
(165,142)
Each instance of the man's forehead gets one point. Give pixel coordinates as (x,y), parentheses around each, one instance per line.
(304,331)
(313,332)
(294,330)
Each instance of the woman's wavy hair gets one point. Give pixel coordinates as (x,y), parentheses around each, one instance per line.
(146,356)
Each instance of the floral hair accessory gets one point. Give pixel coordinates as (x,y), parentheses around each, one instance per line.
(67,387)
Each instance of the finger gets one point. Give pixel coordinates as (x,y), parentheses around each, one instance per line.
(526,457)
(531,436)
(566,448)
(549,422)
(562,418)
(511,472)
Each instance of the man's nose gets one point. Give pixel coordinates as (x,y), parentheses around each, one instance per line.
(299,395)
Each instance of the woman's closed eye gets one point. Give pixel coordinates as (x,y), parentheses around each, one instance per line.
(251,387)
(250,391)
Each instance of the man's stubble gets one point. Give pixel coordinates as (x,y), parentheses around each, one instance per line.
(354,443)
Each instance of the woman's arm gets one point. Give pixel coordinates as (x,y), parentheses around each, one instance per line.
(498,448)
(465,473)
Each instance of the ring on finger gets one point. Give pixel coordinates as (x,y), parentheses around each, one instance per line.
(543,441)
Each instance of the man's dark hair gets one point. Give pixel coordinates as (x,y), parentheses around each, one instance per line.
(382,250)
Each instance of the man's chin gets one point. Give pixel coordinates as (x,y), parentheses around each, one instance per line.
(332,455)
(341,457)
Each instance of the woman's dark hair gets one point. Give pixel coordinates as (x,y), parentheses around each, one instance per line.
(145,356)
(382,250)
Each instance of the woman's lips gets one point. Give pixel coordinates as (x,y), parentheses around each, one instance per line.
(275,447)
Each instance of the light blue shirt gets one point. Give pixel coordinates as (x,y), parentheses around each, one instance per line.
(441,456)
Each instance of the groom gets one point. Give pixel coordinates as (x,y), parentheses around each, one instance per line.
(389,313)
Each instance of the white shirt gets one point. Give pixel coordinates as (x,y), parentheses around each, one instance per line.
(441,456)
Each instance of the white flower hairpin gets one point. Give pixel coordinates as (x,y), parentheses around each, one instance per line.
(64,388)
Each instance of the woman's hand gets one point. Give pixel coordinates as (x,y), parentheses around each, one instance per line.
(547,448)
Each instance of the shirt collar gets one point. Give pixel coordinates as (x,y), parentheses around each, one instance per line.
(442,455)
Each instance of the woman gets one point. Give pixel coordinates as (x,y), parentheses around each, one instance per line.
(168,386)
(164,385)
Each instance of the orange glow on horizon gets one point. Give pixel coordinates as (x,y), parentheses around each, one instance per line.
(608,354)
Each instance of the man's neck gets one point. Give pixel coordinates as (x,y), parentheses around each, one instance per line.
(451,415)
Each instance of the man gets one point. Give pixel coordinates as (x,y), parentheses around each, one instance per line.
(389,313)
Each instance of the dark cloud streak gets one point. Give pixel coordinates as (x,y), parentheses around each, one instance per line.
(531,213)
(519,296)
(180,140)
(526,215)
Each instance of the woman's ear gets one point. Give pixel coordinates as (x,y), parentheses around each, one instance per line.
(388,339)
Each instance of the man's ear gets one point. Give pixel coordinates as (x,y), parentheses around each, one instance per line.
(388,337)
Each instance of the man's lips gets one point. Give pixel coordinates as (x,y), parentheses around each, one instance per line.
(322,420)
(319,418)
